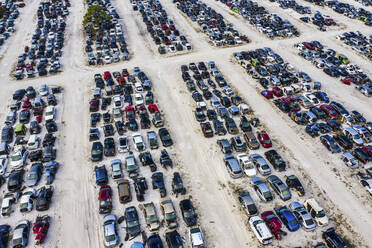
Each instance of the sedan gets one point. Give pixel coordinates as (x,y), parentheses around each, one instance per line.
(188,212)
(165,137)
(330,143)
(264,139)
(302,216)
(279,187)
(34,174)
(110,230)
(133,227)
(96,151)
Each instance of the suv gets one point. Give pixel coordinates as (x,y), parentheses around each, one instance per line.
(238,144)
(151,217)
(251,140)
(153,140)
(316,212)
(332,239)
(260,229)
(197,238)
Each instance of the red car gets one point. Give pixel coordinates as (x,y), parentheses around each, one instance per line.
(125,73)
(268,94)
(264,139)
(329,22)
(207,129)
(153,108)
(329,111)
(130,112)
(347,80)
(277,91)
(292,103)
(308,45)
(94,105)
(105,200)
(27,104)
(106,75)
(40,228)
(121,81)
(368,150)
(273,222)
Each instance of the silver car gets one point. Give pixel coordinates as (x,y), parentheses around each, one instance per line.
(261,189)
(302,216)
(21,233)
(110,230)
(260,163)
(279,187)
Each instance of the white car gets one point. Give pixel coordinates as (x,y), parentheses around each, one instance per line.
(18,157)
(138,87)
(246,164)
(27,200)
(110,231)
(118,101)
(116,113)
(138,141)
(50,113)
(302,216)
(227,90)
(312,98)
(366,182)
(138,99)
(108,59)
(33,142)
(260,229)
(123,144)
(3,164)
(6,205)
(197,237)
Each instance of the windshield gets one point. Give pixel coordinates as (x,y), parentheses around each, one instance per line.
(132,223)
(267,141)
(285,192)
(152,218)
(267,195)
(309,222)
(170,216)
(104,203)
(24,205)
(16,157)
(96,152)
(110,238)
(320,214)
(32,176)
(293,222)
(356,136)
(189,214)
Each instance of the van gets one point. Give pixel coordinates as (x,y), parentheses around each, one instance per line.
(152,138)
(124,191)
(251,140)
(316,212)
(233,166)
(353,135)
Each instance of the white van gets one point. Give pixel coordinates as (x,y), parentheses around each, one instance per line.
(316,211)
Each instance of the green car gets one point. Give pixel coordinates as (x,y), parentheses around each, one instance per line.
(343,59)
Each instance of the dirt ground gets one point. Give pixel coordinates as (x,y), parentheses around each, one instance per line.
(75,205)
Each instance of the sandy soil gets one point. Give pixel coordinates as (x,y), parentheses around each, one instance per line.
(200,161)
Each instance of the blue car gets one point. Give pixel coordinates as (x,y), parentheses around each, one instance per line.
(312,130)
(101,175)
(4,235)
(50,171)
(322,96)
(287,218)
(154,241)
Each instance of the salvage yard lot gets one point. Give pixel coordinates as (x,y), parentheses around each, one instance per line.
(76,221)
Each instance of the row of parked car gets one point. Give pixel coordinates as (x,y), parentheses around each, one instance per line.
(33,113)
(314,109)
(161,27)
(135,151)
(358,42)
(219,102)
(44,53)
(105,42)
(212,23)
(336,65)
(8,17)
(265,22)
(347,9)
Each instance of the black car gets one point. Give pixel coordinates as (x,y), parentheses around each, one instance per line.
(154,241)
(4,235)
(219,127)
(177,184)
(108,130)
(120,127)
(335,125)
(211,114)
(36,155)
(282,105)
(97,151)
(361,155)
(332,239)
(24,116)
(30,92)
(133,226)
(44,198)
(294,183)
(132,124)
(48,140)
(276,160)
(15,180)
(158,183)
(109,147)
(173,239)
(51,100)
(343,141)
(188,212)
(244,124)
(51,126)
(319,113)
(140,186)
(19,94)
(165,137)
(7,134)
